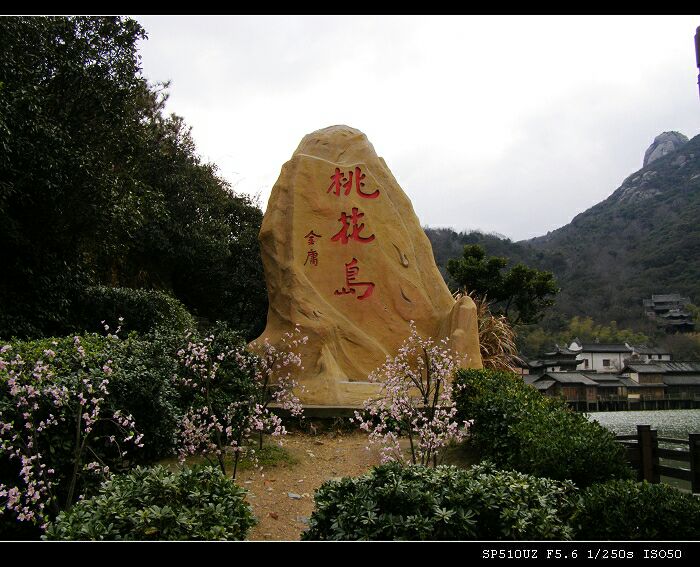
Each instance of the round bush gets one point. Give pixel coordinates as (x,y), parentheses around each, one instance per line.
(518,428)
(629,510)
(143,310)
(394,502)
(155,504)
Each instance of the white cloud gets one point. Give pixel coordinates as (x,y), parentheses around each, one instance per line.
(510,124)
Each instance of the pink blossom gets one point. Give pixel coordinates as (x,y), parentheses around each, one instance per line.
(416,401)
(26,388)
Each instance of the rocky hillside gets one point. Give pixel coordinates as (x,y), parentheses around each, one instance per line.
(643,239)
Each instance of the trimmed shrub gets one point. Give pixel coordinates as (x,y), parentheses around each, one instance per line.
(155,504)
(61,429)
(143,310)
(628,510)
(64,369)
(518,428)
(395,502)
(142,385)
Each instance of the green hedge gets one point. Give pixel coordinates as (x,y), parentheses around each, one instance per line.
(155,504)
(395,502)
(57,443)
(628,510)
(143,310)
(518,428)
(141,384)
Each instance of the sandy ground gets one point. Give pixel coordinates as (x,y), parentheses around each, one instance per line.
(282,495)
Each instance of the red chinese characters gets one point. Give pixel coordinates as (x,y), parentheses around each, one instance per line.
(343,237)
(311,254)
(352,228)
(339,180)
(311,237)
(351,272)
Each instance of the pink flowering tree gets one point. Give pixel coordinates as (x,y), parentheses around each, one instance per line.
(415,402)
(273,370)
(234,389)
(55,424)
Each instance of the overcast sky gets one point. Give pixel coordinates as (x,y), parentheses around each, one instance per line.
(504,124)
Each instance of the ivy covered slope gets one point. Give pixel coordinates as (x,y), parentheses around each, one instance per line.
(643,239)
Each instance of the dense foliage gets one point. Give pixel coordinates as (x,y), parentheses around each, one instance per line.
(395,502)
(142,384)
(517,427)
(61,431)
(534,341)
(141,310)
(628,510)
(521,294)
(149,378)
(155,504)
(685,346)
(99,186)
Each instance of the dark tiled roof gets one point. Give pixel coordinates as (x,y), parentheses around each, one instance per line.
(678,366)
(687,380)
(570,378)
(668,298)
(601,347)
(603,376)
(632,384)
(649,350)
(554,362)
(642,368)
(561,350)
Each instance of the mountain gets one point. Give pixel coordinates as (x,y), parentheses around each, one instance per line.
(663,144)
(644,239)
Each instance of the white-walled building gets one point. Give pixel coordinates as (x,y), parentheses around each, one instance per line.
(601,357)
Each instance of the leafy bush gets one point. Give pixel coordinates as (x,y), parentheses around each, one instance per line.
(395,502)
(628,510)
(59,429)
(143,310)
(142,385)
(518,428)
(155,504)
(215,371)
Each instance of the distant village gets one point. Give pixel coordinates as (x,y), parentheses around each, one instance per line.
(600,377)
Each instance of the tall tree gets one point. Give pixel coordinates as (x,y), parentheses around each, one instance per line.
(522,294)
(98,185)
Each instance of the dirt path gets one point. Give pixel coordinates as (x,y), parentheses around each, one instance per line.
(282,517)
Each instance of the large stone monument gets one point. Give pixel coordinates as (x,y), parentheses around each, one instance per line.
(347,261)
